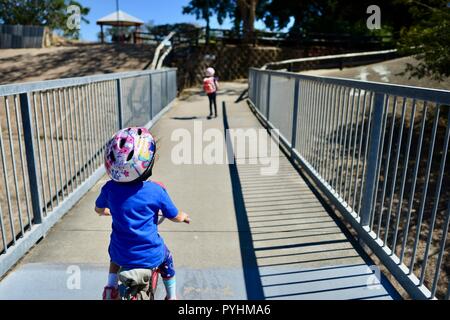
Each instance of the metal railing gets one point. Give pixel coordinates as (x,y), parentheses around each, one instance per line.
(332,61)
(379,152)
(53,134)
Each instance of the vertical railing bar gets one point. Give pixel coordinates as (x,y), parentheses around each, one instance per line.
(322,141)
(74,132)
(304,150)
(150,78)
(358,162)
(414,181)
(100,114)
(329,152)
(76,99)
(375,142)
(325,127)
(96,126)
(404,174)
(441,251)
(380,160)
(55,180)
(350,132)
(388,162)
(268,97)
(25,108)
(394,178)
(83,133)
(5,177)
(425,190)
(13,160)
(47,156)
(314,105)
(70,179)
(337,141)
(315,130)
(328,124)
(113,111)
(344,143)
(89,139)
(355,139)
(299,130)
(308,123)
(436,197)
(22,161)
(295,113)
(119,103)
(38,138)
(108,89)
(63,144)
(312,129)
(301,122)
(366,149)
(3,231)
(57,146)
(86,131)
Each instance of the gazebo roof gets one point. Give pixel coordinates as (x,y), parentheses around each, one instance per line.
(120,18)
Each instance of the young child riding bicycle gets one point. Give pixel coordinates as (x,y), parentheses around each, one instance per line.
(134,203)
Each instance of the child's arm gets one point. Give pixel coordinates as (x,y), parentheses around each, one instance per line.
(181,217)
(103,211)
(101,204)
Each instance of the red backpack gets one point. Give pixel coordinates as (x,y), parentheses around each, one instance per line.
(209,85)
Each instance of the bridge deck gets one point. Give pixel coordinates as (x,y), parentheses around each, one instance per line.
(251,236)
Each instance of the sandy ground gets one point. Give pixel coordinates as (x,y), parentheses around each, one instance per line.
(22,65)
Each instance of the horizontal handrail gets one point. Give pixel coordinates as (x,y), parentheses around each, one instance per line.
(330,57)
(17,88)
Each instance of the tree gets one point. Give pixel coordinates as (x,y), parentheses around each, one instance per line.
(242,12)
(202,9)
(247,13)
(50,13)
(332,16)
(428,39)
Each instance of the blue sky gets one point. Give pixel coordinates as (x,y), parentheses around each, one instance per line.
(159,11)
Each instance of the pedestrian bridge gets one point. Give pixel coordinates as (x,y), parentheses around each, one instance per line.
(345,159)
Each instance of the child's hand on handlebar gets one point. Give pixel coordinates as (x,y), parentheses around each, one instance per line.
(182,217)
(103,211)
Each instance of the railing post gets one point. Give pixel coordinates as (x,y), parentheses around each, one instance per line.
(151,96)
(372,159)
(31,161)
(268,97)
(295,113)
(119,102)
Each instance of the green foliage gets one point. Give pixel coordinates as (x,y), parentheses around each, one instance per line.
(428,39)
(50,13)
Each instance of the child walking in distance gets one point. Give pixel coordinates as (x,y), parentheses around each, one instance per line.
(210,86)
(134,203)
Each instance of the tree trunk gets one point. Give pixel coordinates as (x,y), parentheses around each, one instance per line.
(247,9)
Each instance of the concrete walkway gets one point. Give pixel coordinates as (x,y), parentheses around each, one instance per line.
(251,236)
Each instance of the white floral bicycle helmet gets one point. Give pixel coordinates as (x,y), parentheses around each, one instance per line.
(130,154)
(210,72)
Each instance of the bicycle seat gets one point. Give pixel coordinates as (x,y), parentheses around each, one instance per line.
(135,277)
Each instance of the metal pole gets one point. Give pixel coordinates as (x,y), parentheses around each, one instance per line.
(295,114)
(372,159)
(31,162)
(119,102)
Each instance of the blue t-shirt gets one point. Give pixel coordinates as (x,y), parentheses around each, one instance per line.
(135,241)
